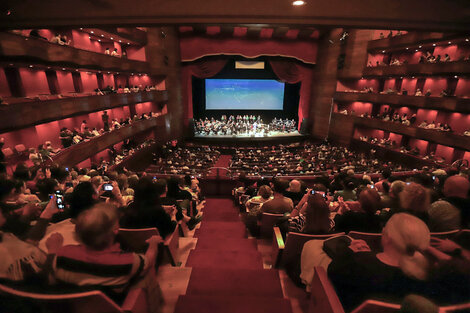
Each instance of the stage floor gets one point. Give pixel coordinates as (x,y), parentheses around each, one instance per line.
(248,135)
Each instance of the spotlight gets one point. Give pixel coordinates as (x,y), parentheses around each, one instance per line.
(63,69)
(92,32)
(102,35)
(120,41)
(420,47)
(407,48)
(455,76)
(466,39)
(30,66)
(383,51)
(298,2)
(111,38)
(449,42)
(433,44)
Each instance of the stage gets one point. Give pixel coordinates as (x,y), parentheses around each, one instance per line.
(234,140)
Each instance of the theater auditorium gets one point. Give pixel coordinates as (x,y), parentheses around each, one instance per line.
(287,156)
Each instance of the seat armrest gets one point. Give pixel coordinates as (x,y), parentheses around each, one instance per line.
(277,247)
(136,301)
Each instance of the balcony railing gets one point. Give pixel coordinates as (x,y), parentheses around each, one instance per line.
(17,47)
(79,152)
(24,114)
(453,104)
(455,67)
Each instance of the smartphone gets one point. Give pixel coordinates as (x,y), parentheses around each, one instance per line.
(434,178)
(59,199)
(372,186)
(67,169)
(154,177)
(107,187)
(312,192)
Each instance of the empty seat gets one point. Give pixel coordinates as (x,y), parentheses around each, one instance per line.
(268,220)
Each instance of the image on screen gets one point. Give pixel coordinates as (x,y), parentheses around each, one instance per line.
(244,94)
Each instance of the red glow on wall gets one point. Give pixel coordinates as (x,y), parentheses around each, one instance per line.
(65,81)
(445,152)
(435,85)
(240,31)
(213,30)
(409,84)
(89,81)
(292,33)
(361,107)
(426,115)
(184,29)
(463,88)
(266,33)
(136,53)
(34,81)
(422,145)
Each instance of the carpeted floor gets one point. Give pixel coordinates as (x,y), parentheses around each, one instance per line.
(227,269)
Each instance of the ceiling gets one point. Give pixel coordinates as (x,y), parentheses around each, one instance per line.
(428,15)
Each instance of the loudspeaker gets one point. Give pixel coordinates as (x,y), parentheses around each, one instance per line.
(305,126)
(190,130)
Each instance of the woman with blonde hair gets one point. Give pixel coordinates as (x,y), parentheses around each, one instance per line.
(401,268)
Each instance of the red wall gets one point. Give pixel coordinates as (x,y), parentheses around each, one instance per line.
(409,84)
(463,88)
(108,80)
(428,115)
(422,145)
(89,82)
(136,53)
(65,82)
(34,81)
(436,85)
(4,88)
(445,152)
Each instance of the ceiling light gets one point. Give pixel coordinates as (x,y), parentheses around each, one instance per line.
(111,38)
(416,50)
(466,39)
(89,37)
(63,69)
(120,41)
(11,64)
(433,44)
(76,70)
(81,28)
(449,42)
(102,35)
(99,72)
(298,2)
(407,48)
(383,51)
(109,72)
(455,76)
(117,73)
(128,43)
(48,67)
(92,32)
(420,47)
(30,66)
(99,40)
(132,73)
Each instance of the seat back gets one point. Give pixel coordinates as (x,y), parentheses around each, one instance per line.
(20,148)
(7,152)
(268,220)
(446,234)
(323,297)
(94,301)
(134,239)
(295,243)
(374,240)
(373,306)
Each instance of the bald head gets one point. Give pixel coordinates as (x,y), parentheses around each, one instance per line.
(294,185)
(456,186)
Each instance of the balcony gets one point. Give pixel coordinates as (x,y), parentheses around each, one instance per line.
(77,153)
(443,138)
(442,68)
(394,155)
(24,114)
(20,48)
(453,104)
(408,39)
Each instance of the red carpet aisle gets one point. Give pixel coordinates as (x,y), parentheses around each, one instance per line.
(223,161)
(227,270)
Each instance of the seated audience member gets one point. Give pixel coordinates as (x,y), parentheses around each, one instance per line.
(455,190)
(443,217)
(294,191)
(313,217)
(99,262)
(366,220)
(254,204)
(402,268)
(82,198)
(21,260)
(415,200)
(279,204)
(391,201)
(107,51)
(347,193)
(386,173)
(418,92)
(115,53)
(146,211)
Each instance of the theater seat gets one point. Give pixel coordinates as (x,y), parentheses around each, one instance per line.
(135,240)
(20,149)
(373,306)
(90,301)
(7,152)
(290,251)
(374,240)
(268,220)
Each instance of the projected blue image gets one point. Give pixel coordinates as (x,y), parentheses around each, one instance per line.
(244,94)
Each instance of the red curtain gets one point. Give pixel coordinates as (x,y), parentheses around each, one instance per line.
(201,69)
(291,72)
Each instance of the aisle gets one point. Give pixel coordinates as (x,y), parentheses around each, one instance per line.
(227,270)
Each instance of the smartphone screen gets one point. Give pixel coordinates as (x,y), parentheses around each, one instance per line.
(59,199)
(107,187)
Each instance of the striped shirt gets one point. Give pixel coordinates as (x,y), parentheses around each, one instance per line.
(110,268)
